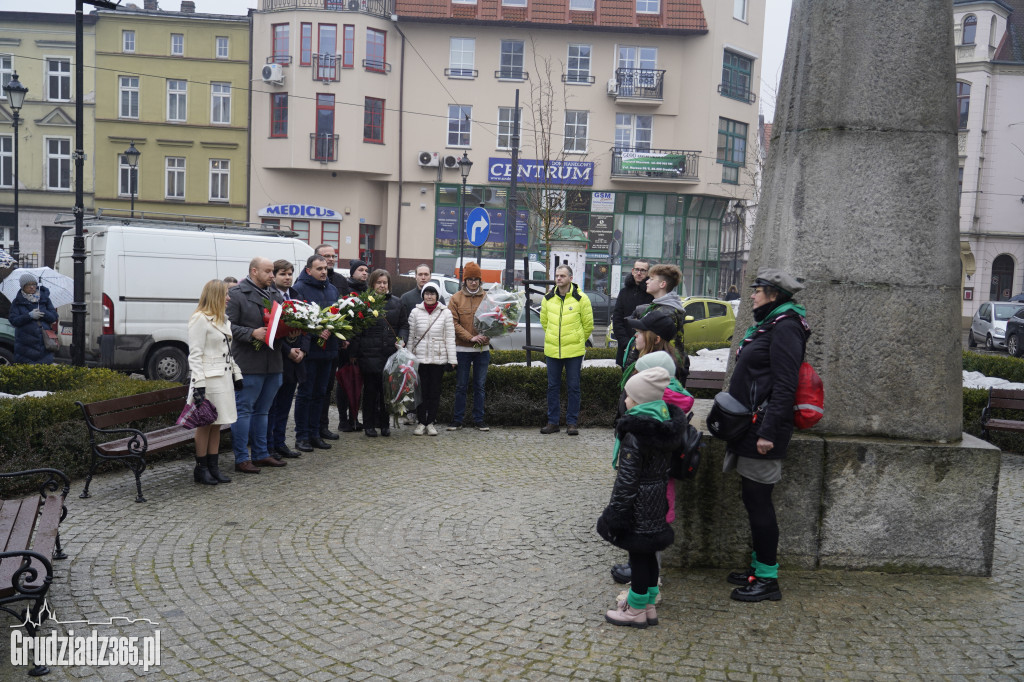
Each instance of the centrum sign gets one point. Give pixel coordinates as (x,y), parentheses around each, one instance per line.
(298,211)
(538,171)
(656,162)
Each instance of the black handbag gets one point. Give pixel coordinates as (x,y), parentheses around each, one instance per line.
(729,419)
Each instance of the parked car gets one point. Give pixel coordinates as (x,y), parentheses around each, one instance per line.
(1015,334)
(517,339)
(989,324)
(6,342)
(713,320)
(602,305)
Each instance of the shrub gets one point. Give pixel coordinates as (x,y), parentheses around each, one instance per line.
(1002,366)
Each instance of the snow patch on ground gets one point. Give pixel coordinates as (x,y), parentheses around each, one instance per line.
(30,394)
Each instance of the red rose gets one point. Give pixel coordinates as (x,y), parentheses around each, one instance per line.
(334,311)
(360,314)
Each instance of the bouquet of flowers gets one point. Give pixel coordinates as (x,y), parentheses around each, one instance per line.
(360,311)
(333,321)
(401,383)
(499,313)
(283,319)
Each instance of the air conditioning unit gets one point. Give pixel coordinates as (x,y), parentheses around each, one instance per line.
(353,5)
(451,161)
(273,73)
(613,86)
(429,159)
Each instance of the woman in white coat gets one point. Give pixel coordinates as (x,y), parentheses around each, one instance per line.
(432,341)
(215,376)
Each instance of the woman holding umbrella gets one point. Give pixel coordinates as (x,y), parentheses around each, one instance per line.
(30,313)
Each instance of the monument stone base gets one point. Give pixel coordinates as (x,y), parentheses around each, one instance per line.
(852,503)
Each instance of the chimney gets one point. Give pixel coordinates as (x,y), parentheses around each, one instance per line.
(188,7)
(150,5)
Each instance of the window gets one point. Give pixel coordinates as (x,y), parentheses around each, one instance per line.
(271,222)
(461,53)
(324,148)
(6,161)
(128,89)
(301,228)
(732,148)
(970,29)
(222,47)
(648,6)
(581,5)
(716,309)
(511,59)
(376,43)
(633,57)
(963,103)
(576,123)
(305,44)
(348,47)
(578,66)
(373,120)
(695,310)
(58,79)
(459,119)
(176,105)
(280,43)
(279,114)
(220,177)
(633,132)
(736,76)
(739,9)
(6,73)
(513,3)
(959,184)
(58,163)
(327,52)
(175,185)
(331,233)
(220,103)
(464,2)
(128,41)
(127,182)
(506,121)
(177,44)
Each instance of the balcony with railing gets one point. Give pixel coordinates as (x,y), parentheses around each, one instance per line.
(376,66)
(325,68)
(323,147)
(379,8)
(655,164)
(643,85)
(737,91)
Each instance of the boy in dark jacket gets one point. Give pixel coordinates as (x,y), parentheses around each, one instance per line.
(645,439)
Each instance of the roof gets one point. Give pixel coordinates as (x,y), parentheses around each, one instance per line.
(44,17)
(1011,47)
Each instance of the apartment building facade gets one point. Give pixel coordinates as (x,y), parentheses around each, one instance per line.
(635,122)
(989,37)
(173,85)
(40,48)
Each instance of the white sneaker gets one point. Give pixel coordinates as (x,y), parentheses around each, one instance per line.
(419,430)
(431,430)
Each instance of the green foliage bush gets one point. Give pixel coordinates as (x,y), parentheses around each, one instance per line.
(1002,366)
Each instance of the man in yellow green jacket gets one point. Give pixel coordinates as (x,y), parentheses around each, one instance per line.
(568,320)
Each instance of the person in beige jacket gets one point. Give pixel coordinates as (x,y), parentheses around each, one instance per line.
(432,341)
(215,375)
(471,348)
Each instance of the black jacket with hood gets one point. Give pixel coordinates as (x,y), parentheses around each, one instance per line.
(631,296)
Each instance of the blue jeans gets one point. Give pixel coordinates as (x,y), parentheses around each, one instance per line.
(253,404)
(572,379)
(479,363)
(277,419)
(312,393)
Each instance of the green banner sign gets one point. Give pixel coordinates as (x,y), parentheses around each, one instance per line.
(647,162)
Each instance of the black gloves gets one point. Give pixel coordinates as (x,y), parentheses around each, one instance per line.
(239,385)
(198,395)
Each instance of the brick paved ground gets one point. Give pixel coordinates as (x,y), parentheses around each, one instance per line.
(472,556)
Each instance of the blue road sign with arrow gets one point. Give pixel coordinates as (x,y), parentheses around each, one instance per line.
(478,226)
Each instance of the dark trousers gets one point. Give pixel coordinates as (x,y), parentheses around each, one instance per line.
(764,527)
(374,414)
(430,388)
(644,566)
(311,396)
(277,420)
(325,406)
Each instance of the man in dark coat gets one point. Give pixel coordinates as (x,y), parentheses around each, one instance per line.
(633,294)
(293,352)
(413,298)
(340,282)
(261,366)
(313,287)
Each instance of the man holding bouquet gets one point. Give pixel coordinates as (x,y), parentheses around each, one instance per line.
(314,287)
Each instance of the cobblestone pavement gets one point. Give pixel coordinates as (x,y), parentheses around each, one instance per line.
(472,556)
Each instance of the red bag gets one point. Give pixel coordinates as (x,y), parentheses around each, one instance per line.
(809,400)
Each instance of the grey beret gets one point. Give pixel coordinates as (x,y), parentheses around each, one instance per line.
(27,278)
(780,279)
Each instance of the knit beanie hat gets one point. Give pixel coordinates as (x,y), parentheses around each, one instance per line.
(432,287)
(648,385)
(27,278)
(471,270)
(656,359)
(355,263)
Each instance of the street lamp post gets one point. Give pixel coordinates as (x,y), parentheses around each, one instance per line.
(132,155)
(16,96)
(464,167)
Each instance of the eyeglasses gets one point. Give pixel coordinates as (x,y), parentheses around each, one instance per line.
(639,269)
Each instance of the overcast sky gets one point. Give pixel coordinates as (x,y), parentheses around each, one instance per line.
(776,26)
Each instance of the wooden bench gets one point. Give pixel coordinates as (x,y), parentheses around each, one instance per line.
(1006,399)
(133,448)
(706,379)
(30,539)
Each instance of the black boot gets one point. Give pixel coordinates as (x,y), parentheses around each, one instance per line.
(622,573)
(213,465)
(202,473)
(758,589)
(740,577)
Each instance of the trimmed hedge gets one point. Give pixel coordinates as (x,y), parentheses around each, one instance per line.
(1001,366)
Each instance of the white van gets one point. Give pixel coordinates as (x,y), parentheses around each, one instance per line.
(142,283)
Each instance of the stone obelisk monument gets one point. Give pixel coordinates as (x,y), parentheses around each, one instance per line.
(859,201)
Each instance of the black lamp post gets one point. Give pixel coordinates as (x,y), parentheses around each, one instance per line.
(132,155)
(16,96)
(465,165)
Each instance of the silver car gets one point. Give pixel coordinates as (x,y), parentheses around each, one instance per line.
(517,339)
(989,324)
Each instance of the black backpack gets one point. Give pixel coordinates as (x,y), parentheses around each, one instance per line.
(684,465)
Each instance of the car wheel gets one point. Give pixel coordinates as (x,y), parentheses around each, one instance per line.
(6,357)
(167,363)
(971,343)
(1013,345)
(988,342)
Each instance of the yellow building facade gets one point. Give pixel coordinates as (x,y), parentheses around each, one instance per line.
(174,84)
